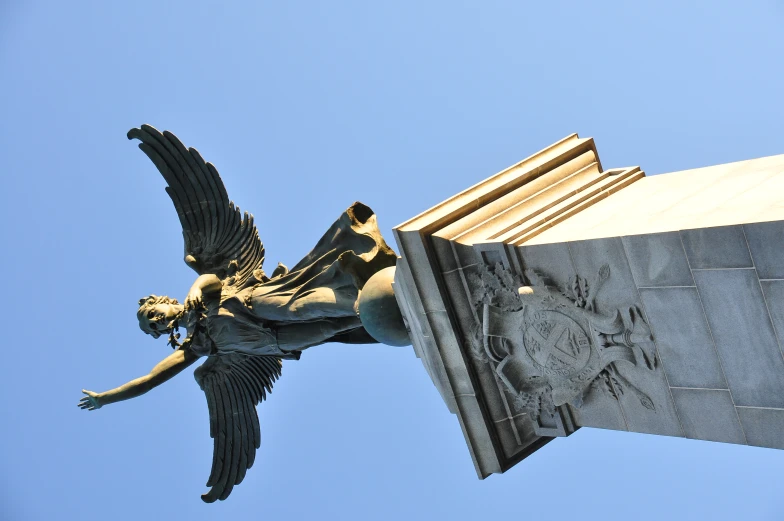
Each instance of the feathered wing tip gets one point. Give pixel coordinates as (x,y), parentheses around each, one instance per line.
(233,385)
(216,232)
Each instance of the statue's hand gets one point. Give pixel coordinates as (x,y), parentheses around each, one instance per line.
(90,402)
(194,300)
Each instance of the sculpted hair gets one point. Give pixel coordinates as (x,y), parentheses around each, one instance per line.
(145,304)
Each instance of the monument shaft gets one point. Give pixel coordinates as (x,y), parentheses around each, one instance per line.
(556,295)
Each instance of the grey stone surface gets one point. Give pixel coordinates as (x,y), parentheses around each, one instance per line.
(552,259)
(491,254)
(415,250)
(495,401)
(766,242)
(451,354)
(774,298)
(717,247)
(743,335)
(465,254)
(455,285)
(442,249)
(658,259)
(589,256)
(683,338)
(620,291)
(507,435)
(476,429)
(422,339)
(609,330)
(662,420)
(763,427)
(554,347)
(524,427)
(600,410)
(708,414)
(497,405)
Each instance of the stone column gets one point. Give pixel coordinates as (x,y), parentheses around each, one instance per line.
(557,295)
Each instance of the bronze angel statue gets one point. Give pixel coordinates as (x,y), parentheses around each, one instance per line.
(241,319)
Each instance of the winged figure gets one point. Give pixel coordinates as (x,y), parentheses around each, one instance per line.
(242,320)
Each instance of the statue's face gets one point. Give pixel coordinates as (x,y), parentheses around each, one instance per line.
(159,319)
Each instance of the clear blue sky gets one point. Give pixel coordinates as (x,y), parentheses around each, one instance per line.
(304,108)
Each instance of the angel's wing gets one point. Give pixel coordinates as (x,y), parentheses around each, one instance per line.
(218,238)
(234,383)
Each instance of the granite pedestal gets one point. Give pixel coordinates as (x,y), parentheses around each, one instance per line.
(557,295)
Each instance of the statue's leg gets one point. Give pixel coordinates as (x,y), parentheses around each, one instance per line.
(309,304)
(301,335)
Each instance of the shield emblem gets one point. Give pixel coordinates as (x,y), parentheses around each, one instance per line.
(556,343)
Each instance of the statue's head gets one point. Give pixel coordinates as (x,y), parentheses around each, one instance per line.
(158,315)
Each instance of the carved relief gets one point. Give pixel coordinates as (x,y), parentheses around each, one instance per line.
(550,346)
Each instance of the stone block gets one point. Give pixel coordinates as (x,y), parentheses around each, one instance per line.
(708,414)
(465,254)
(442,249)
(553,260)
(743,335)
(588,258)
(451,354)
(683,338)
(455,286)
(717,247)
(662,419)
(507,436)
(600,410)
(658,259)
(763,427)
(481,441)
(766,241)
(774,298)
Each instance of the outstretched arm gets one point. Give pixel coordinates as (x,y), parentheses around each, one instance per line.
(167,368)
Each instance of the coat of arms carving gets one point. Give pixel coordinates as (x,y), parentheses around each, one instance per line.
(549,346)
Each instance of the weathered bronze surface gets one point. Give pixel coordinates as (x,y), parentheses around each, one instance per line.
(244,321)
